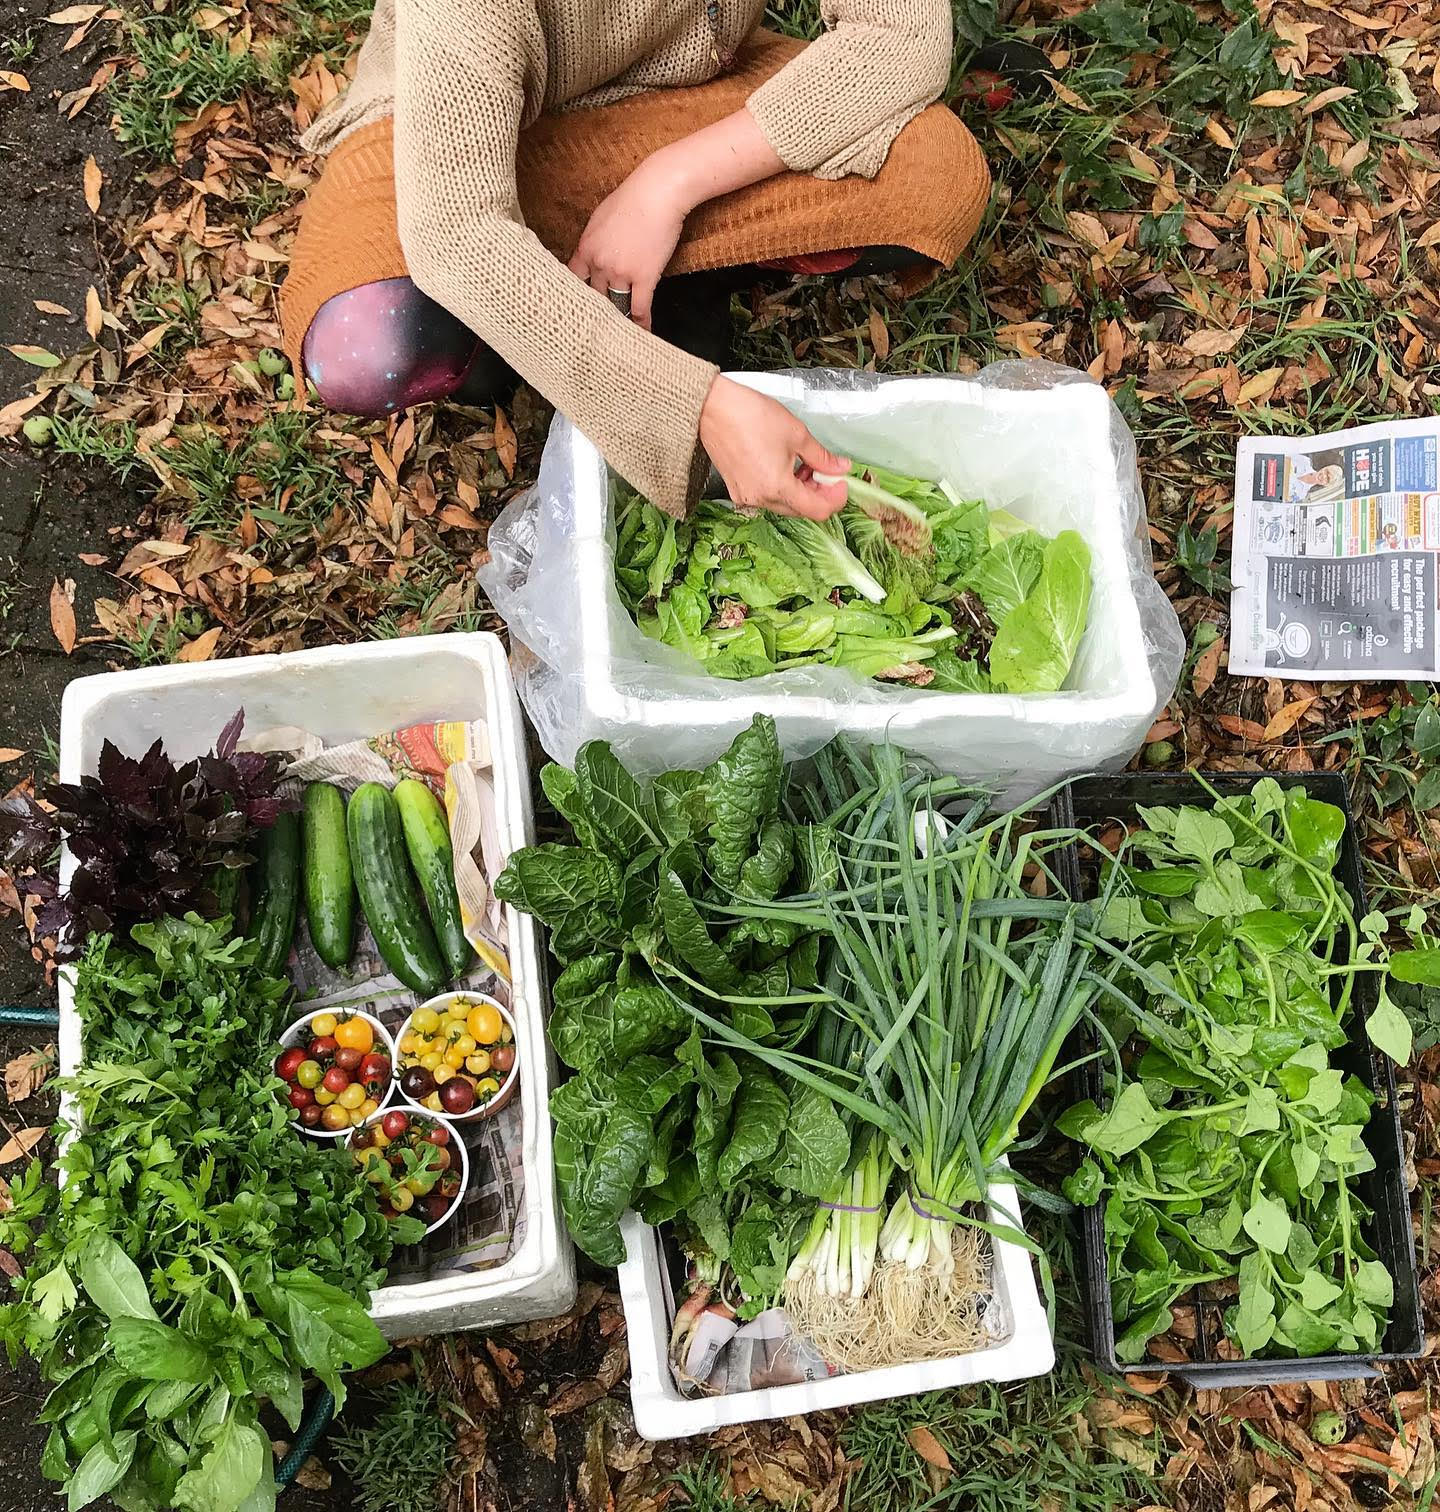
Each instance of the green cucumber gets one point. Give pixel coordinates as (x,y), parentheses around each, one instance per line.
(432,857)
(388,893)
(226,886)
(329,879)
(275,892)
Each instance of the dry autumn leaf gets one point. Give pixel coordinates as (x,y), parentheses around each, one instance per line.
(94,314)
(49,307)
(1273,99)
(879,335)
(73,15)
(93,179)
(11,80)
(929,1448)
(506,445)
(202,648)
(62,613)
(25,1075)
(36,356)
(20,1144)
(1207,664)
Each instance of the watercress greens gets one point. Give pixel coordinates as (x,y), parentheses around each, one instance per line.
(1228,1147)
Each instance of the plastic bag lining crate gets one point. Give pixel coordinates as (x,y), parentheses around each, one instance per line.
(653,1273)
(1096,801)
(345,693)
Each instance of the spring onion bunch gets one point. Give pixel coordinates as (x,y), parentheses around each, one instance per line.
(951,989)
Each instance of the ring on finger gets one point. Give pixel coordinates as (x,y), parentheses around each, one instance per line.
(620,298)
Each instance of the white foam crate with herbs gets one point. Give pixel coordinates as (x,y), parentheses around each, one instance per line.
(346,693)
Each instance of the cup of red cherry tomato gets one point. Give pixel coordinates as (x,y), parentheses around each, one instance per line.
(457,1057)
(338,1070)
(418,1165)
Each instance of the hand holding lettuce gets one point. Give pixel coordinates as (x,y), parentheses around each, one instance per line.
(908,584)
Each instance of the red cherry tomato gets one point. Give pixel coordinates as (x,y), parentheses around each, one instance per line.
(457,1095)
(336,1080)
(502,1058)
(395,1123)
(323,1047)
(374,1070)
(437,1206)
(287,1063)
(311,1116)
(347,1059)
(301,1097)
(438,1136)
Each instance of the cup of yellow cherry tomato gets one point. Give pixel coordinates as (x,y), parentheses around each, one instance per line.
(338,1070)
(457,1057)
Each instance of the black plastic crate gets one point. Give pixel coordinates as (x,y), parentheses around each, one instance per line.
(1091,804)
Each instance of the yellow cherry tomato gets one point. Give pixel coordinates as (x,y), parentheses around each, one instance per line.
(357,1117)
(506,1033)
(458,1009)
(466,1044)
(369,1106)
(425,1021)
(443,1072)
(433,1059)
(410,1043)
(323,1095)
(454,1028)
(381,1137)
(402,1199)
(433,1102)
(355,1034)
(484,1023)
(323,1024)
(365,1156)
(455,1057)
(487,1086)
(479,1063)
(351,1098)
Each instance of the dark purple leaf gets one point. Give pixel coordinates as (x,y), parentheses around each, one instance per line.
(230,736)
(27,833)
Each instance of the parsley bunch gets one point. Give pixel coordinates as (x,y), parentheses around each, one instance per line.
(200,1257)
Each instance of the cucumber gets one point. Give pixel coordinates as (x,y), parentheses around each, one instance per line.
(275,892)
(432,857)
(388,893)
(329,879)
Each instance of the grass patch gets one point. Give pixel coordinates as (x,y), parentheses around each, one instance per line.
(706,1488)
(1011,1449)
(399,1461)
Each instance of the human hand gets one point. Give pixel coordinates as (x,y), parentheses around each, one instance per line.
(629,238)
(766,456)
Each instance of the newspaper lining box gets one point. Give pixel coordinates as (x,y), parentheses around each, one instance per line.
(345,693)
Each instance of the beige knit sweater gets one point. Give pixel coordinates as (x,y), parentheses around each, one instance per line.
(462,77)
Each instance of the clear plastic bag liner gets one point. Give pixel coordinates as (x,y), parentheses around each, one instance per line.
(1040,440)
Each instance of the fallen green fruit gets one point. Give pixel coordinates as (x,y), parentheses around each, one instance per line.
(1328,1428)
(271,363)
(39,430)
(1159,753)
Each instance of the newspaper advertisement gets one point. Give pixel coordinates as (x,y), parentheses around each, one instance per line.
(1335,547)
(454,759)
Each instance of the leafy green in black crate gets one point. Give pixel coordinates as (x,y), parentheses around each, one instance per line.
(1228,1148)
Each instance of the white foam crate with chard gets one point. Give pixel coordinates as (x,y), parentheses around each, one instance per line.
(807,1010)
(986,597)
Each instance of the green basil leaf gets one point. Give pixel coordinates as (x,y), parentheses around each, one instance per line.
(155,1352)
(229,1470)
(113,1281)
(100,1469)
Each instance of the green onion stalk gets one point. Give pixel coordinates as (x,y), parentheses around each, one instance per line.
(951,991)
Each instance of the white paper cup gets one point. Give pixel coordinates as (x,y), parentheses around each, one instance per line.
(300,1033)
(508,1085)
(456,1147)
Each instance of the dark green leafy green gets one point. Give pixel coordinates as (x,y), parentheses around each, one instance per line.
(203,1256)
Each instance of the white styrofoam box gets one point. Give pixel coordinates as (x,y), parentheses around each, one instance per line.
(1015,1317)
(1046,454)
(342,693)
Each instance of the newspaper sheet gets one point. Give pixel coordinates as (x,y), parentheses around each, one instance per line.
(1335,544)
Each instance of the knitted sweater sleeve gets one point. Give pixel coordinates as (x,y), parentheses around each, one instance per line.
(837,107)
(461,67)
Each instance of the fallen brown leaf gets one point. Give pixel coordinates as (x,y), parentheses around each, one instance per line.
(506,1363)
(11,753)
(20,1145)
(11,80)
(94,315)
(25,1075)
(1207,665)
(93,180)
(879,335)
(929,1448)
(573,1397)
(506,446)
(49,307)
(202,648)
(62,614)
(313,1476)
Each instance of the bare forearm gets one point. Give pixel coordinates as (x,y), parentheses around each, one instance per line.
(718,159)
